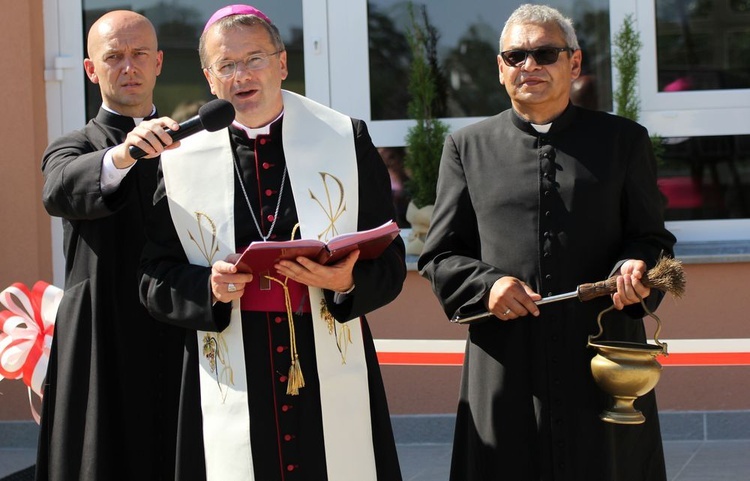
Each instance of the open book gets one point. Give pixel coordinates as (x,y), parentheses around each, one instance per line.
(261,256)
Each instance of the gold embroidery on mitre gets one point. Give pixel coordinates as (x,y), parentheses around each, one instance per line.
(215,350)
(333,207)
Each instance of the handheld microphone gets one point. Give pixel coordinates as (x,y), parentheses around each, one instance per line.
(212,116)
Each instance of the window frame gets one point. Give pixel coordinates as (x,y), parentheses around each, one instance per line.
(683,114)
(680,114)
(667,114)
(337,74)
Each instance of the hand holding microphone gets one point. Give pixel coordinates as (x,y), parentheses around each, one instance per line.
(212,116)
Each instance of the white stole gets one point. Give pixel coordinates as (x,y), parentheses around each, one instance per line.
(199,177)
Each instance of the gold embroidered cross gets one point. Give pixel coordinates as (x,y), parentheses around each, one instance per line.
(332,212)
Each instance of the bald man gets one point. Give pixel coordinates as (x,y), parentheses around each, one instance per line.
(112,388)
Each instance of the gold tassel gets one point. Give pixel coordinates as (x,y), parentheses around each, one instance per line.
(295,379)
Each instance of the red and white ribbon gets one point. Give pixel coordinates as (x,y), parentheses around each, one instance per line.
(26,329)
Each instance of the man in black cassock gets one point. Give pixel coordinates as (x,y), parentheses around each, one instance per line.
(269,392)
(112,386)
(534,202)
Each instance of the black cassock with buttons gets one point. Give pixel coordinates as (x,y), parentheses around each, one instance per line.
(107,413)
(555,210)
(286,431)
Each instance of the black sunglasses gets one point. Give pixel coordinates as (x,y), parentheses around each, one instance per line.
(542,55)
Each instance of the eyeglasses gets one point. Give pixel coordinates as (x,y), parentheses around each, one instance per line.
(227,68)
(542,55)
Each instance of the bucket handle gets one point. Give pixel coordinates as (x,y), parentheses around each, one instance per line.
(662,345)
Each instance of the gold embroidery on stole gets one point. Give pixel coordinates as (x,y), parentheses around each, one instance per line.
(214,345)
(333,213)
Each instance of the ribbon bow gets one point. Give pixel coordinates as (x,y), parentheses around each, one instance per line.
(26,329)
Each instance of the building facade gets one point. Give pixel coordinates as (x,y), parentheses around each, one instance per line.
(694,88)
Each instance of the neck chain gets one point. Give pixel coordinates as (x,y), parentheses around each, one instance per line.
(250,207)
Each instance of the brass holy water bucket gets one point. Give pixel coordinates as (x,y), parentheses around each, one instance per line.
(626,371)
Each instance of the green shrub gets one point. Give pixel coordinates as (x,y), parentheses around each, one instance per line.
(424,141)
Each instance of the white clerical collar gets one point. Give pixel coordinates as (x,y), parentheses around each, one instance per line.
(137,120)
(542,128)
(253,133)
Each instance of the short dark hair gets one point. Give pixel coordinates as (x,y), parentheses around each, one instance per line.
(234,21)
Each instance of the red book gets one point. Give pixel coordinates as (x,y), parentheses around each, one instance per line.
(261,256)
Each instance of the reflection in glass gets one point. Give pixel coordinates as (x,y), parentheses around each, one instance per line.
(467,49)
(393,158)
(703,44)
(181,87)
(706,177)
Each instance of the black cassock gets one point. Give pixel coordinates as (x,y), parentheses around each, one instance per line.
(112,386)
(286,431)
(555,210)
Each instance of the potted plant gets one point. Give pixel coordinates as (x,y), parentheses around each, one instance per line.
(628,44)
(424,140)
